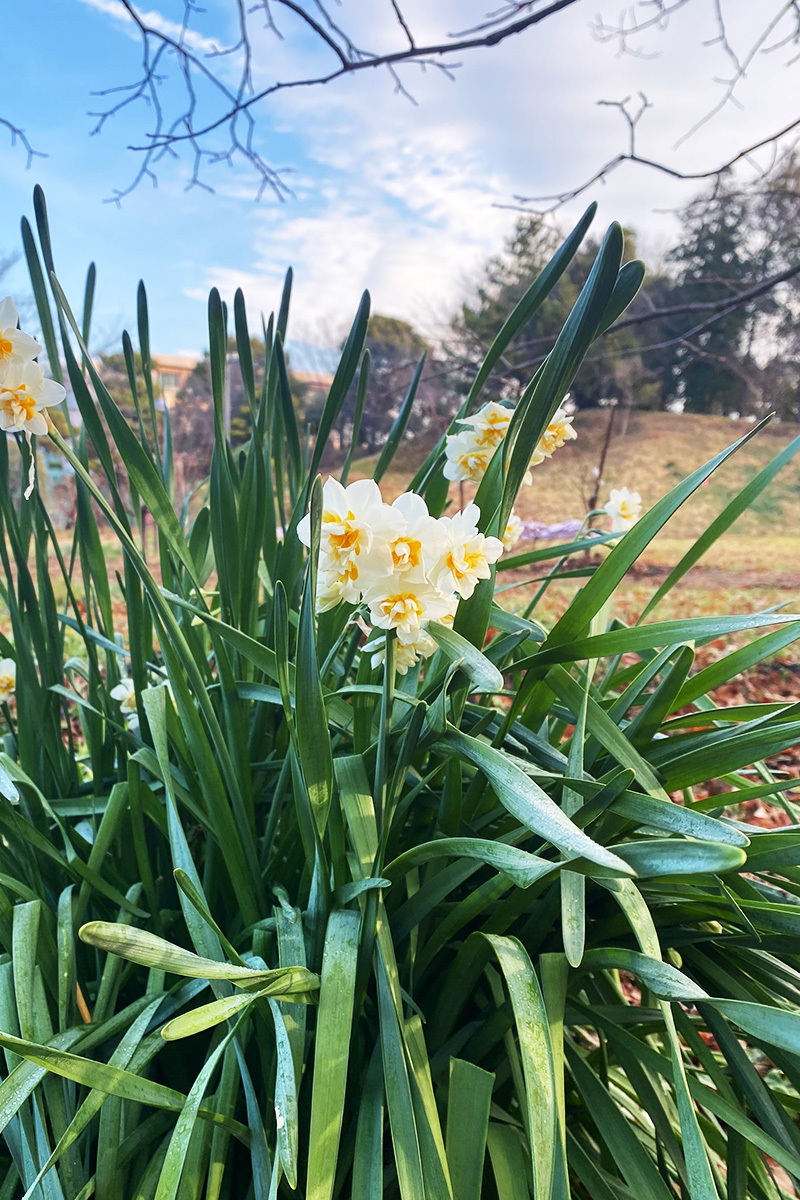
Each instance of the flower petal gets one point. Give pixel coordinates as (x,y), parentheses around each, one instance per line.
(36,424)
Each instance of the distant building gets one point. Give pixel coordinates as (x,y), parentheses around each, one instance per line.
(171,374)
(314,385)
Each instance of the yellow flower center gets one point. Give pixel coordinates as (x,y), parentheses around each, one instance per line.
(472,461)
(7,684)
(494,431)
(625,509)
(349,536)
(555,435)
(16,401)
(404,604)
(462,567)
(5,347)
(407,552)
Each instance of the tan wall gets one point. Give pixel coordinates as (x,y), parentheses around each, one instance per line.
(171,374)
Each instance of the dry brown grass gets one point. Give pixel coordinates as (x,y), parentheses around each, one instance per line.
(755,566)
(650,454)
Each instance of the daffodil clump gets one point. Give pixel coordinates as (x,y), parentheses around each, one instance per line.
(470,451)
(405,566)
(372,929)
(24,391)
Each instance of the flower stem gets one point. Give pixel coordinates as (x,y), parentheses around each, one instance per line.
(387,702)
(9,720)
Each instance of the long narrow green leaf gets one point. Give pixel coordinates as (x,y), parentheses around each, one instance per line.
(137,945)
(469,1097)
(723,522)
(331,1051)
(575,621)
(113,1080)
(525,800)
(170,1177)
(530,1016)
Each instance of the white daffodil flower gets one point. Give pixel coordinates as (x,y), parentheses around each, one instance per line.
(16,347)
(335,586)
(356,529)
(624,508)
(422,541)
(469,554)
(23,396)
(467,457)
(490,423)
(125,693)
(406,605)
(405,656)
(557,433)
(8,679)
(513,531)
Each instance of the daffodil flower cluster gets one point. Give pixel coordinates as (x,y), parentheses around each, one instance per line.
(513,531)
(406,566)
(470,451)
(624,508)
(8,679)
(126,696)
(24,391)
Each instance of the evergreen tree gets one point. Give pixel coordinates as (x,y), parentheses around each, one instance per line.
(612,371)
(714,372)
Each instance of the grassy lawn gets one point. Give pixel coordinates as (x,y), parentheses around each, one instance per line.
(650,454)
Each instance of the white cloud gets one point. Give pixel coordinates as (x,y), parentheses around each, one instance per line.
(407,220)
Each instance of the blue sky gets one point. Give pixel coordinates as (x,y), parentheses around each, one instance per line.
(400,199)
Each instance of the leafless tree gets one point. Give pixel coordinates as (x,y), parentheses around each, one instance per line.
(778,31)
(218,92)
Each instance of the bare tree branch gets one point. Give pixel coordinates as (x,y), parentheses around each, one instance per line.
(18,135)
(719,310)
(716,308)
(631,26)
(358,60)
(235,103)
(403,24)
(224,89)
(741,69)
(556,199)
(721,307)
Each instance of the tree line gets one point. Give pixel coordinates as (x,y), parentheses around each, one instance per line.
(714,330)
(705,334)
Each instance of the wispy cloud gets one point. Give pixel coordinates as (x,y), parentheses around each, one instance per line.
(411,220)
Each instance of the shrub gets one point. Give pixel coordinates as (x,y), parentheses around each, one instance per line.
(279,920)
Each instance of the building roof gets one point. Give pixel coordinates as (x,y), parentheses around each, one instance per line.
(175,362)
(312,378)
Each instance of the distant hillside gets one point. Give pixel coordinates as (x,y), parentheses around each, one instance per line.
(650,455)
